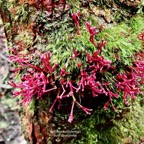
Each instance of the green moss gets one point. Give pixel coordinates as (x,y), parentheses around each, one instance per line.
(112,128)
(25,38)
(32,107)
(121,39)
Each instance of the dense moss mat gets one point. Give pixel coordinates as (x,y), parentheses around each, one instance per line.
(121,40)
(124,126)
(106,128)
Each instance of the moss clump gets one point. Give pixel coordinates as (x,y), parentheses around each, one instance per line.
(121,40)
(109,128)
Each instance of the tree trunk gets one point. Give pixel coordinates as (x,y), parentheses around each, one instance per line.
(28,21)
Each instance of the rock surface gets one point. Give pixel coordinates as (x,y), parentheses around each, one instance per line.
(10,127)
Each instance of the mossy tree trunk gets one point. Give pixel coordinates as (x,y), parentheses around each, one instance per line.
(28,23)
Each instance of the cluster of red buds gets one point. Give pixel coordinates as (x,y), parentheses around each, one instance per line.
(39,80)
(127,83)
(35,81)
(46,77)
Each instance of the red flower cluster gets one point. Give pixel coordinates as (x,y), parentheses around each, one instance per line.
(39,80)
(32,85)
(129,81)
(86,81)
(45,78)
(35,82)
(128,84)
